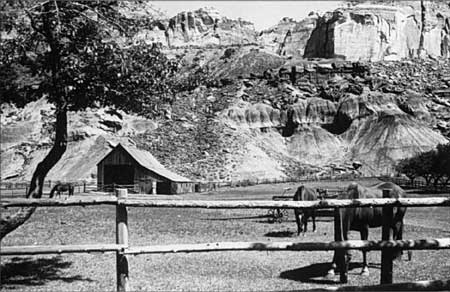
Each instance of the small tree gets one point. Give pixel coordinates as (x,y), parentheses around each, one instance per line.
(426,167)
(409,167)
(69,52)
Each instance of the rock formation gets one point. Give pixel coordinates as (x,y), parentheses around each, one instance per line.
(263,111)
(26,139)
(382,32)
(289,37)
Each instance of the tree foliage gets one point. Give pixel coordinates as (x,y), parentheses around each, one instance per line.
(77,54)
(433,165)
(91,48)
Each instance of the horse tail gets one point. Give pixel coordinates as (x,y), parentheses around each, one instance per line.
(52,192)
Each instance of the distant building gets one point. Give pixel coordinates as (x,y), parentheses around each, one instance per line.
(138,169)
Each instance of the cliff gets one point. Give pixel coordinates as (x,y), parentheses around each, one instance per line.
(382,32)
(289,37)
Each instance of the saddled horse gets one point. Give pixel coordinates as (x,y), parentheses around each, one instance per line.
(362,218)
(304,193)
(62,187)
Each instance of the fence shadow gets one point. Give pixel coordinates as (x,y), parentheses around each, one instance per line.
(235,218)
(284,233)
(317,273)
(35,272)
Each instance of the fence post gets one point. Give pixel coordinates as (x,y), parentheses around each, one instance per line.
(84,186)
(386,254)
(122,238)
(339,255)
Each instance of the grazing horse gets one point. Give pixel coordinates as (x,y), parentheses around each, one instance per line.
(302,215)
(62,187)
(362,218)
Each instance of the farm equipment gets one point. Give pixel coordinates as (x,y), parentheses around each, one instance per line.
(277,214)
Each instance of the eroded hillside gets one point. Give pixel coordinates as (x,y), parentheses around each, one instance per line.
(255,110)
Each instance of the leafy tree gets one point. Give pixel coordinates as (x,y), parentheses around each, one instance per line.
(426,167)
(409,167)
(78,54)
(433,165)
(443,161)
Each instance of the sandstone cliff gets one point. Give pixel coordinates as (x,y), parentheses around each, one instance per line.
(382,32)
(204,27)
(289,37)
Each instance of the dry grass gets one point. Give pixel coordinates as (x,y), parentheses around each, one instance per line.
(224,271)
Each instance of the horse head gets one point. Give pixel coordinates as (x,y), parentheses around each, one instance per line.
(354,191)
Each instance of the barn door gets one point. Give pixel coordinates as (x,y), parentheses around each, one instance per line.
(119,174)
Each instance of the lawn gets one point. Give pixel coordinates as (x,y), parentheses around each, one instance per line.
(223,271)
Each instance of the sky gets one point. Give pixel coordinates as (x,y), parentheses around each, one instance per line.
(263,14)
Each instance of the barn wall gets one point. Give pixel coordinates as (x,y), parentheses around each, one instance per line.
(142,173)
(182,187)
(142,176)
(99,176)
(118,156)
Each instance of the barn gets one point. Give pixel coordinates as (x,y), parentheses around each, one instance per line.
(127,165)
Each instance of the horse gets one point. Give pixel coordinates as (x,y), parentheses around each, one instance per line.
(304,193)
(362,218)
(62,187)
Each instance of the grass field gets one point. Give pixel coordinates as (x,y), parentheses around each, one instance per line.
(224,271)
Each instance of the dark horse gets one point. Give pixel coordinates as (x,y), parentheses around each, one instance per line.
(62,187)
(302,215)
(362,218)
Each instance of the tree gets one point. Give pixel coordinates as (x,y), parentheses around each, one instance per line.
(409,167)
(433,165)
(443,161)
(70,52)
(426,167)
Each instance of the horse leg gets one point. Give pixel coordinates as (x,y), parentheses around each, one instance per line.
(314,220)
(365,236)
(305,222)
(298,221)
(398,235)
(332,271)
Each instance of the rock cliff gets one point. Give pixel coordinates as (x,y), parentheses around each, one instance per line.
(289,37)
(382,32)
(204,27)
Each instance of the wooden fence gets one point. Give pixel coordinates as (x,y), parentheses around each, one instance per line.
(122,248)
(20,189)
(419,183)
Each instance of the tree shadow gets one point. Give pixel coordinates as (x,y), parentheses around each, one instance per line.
(35,272)
(318,273)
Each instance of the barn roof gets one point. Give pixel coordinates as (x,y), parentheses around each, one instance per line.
(148,161)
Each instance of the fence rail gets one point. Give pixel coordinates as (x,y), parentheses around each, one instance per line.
(235,204)
(368,245)
(123,249)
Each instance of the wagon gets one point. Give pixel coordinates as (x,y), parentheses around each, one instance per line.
(279,215)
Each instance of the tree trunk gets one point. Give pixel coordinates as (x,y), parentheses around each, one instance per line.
(10,223)
(56,95)
(422,28)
